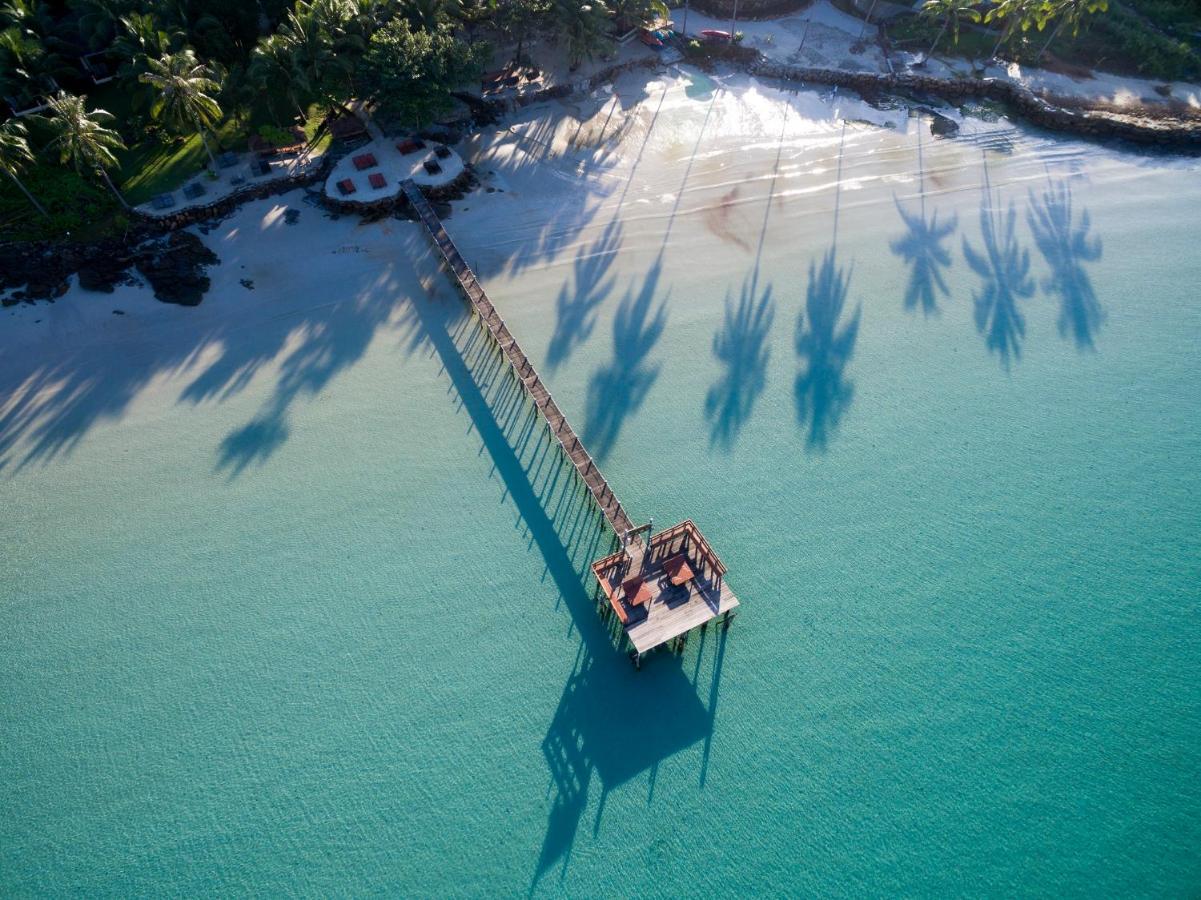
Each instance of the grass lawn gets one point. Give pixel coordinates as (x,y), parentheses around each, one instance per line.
(154,166)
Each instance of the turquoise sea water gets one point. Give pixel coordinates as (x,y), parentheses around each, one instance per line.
(292,599)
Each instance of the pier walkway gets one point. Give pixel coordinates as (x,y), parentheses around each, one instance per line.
(526,374)
(658,588)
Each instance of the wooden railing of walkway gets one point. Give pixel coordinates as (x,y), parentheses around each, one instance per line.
(523,369)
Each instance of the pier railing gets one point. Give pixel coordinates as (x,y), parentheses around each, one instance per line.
(523,369)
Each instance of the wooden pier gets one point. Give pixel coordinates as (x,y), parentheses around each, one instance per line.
(658,589)
(572,446)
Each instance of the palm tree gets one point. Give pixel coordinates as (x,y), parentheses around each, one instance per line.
(82,138)
(182,83)
(1017,14)
(1071,12)
(323,46)
(950,11)
(273,70)
(141,39)
(99,20)
(629,13)
(15,155)
(584,26)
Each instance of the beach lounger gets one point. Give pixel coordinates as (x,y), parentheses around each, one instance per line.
(432,167)
(227,159)
(441,151)
(377,180)
(346,186)
(194,190)
(365,161)
(163,201)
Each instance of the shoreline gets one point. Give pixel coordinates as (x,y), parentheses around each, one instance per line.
(36,271)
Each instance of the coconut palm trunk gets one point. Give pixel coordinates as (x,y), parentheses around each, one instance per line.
(945,23)
(1001,40)
(1054,34)
(871,11)
(28,196)
(204,140)
(112,187)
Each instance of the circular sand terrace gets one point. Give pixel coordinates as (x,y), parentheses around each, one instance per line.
(374,172)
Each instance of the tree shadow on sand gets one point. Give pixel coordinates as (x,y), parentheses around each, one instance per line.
(823,391)
(47,412)
(578,301)
(741,347)
(619,388)
(1065,243)
(1004,268)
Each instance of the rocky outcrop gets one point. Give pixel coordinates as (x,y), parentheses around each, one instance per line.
(1176,134)
(176,268)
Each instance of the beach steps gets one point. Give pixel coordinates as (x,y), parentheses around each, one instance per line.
(610,507)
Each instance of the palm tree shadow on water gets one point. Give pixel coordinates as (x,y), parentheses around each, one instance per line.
(825,344)
(619,387)
(612,724)
(1065,242)
(577,303)
(741,344)
(823,391)
(921,247)
(1004,268)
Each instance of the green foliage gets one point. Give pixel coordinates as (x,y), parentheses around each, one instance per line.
(1148,52)
(950,13)
(630,13)
(81,137)
(410,73)
(73,204)
(1183,16)
(584,25)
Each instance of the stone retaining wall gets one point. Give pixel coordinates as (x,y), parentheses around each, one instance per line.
(227,204)
(1023,102)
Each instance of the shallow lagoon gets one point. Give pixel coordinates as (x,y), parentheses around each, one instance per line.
(293,602)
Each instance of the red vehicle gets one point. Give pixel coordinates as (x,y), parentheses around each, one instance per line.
(712,34)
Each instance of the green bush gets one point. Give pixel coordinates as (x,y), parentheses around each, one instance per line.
(75,205)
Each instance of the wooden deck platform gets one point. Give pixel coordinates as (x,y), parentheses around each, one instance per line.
(524,370)
(638,587)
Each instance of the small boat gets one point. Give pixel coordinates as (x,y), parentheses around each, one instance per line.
(712,34)
(650,40)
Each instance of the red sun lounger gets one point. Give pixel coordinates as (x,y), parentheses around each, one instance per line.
(365,161)
(346,186)
(377,180)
